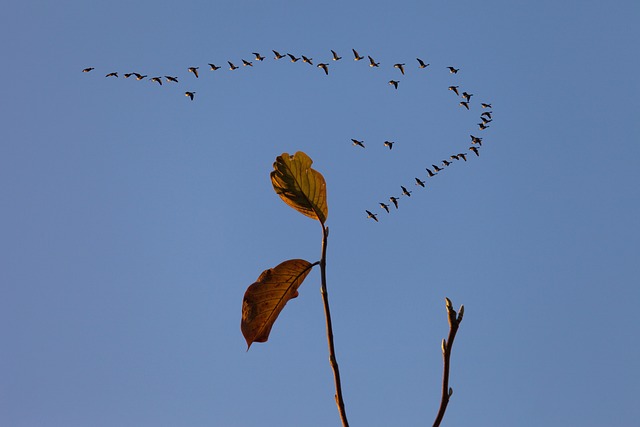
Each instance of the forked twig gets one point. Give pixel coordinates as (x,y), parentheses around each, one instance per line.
(454,322)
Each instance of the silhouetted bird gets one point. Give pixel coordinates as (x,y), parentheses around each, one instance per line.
(476,140)
(394,83)
(277,54)
(214,67)
(357,57)
(420,183)
(485,121)
(399,67)
(389,144)
(462,156)
(485,105)
(405,191)
(335,56)
(114,74)
(356,142)
(431,174)
(454,157)
(446,163)
(293,58)
(86,70)
(454,89)
(372,215)
(475,150)
(258,56)
(325,67)
(156,79)
(139,76)
(486,113)
(127,75)
(307,60)
(436,168)
(394,200)
(247,63)
(385,207)
(190,94)
(171,79)
(465,104)
(482,126)
(373,63)
(453,70)
(232,66)
(194,70)
(422,64)
(467,96)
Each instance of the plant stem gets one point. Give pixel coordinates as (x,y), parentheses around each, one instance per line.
(327,314)
(454,322)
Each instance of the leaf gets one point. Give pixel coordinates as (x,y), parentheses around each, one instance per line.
(301,187)
(264,300)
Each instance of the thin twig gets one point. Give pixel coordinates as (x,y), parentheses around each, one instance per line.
(327,314)
(454,322)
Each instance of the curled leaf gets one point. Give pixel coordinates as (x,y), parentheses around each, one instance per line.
(299,186)
(264,300)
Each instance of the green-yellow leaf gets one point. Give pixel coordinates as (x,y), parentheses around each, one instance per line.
(301,187)
(264,300)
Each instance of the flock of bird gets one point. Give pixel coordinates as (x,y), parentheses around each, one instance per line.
(485,117)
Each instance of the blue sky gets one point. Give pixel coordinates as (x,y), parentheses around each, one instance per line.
(134,219)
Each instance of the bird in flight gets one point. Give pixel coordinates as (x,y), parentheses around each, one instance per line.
(139,76)
(467,96)
(325,67)
(394,200)
(389,144)
(419,182)
(462,156)
(114,74)
(476,140)
(385,207)
(335,56)
(194,70)
(446,162)
(465,104)
(357,57)
(356,142)
(454,89)
(86,70)
(482,126)
(293,58)
(247,63)
(258,56)
(485,120)
(436,168)
(405,191)
(190,94)
(483,105)
(371,215)
(399,67)
(431,174)
(373,63)
(156,79)
(127,75)
(307,60)
(214,67)
(486,113)
(453,70)
(232,66)
(277,54)
(171,79)
(475,150)
(394,83)
(422,64)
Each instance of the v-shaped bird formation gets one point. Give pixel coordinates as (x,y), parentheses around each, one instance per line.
(402,68)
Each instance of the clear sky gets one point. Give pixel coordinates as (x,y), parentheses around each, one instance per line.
(133,219)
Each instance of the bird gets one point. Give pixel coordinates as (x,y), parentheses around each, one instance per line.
(486,113)
(454,89)
(194,70)
(189,94)
(293,58)
(483,105)
(394,200)
(127,75)
(335,56)
(482,126)
(156,79)
(171,79)
(454,157)
(114,74)
(465,104)
(389,144)
(476,140)
(245,63)
(325,67)
(371,215)
(485,120)
(385,207)
(394,83)
(462,156)
(139,76)
(453,70)
(475,150)
(214,67)
(373,63)
(420,183)
(400,67)
(357,57)
(86,70)
(307,60)
(277,54)
(356,142)
(258,56)
(467,96)
(436,168)
(405,191)
(422,64)
(431,174)
(232,66)
(446,163)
